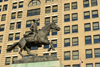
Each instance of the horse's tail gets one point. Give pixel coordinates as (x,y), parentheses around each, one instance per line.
(10,48)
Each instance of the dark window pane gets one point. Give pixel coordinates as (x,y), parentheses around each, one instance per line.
(88,40)
(2,27)
(87,27)
(34,48)
(46,46)
(67,55)
(67,42)
(94,13)
(67,7)
(5,7)
(96,38)
(67,18)
(74,28)
(33,12)
(93,2)
(86,15)
(97,52)
(54,42)
(74,5)
(86,3)
(96,26)
(89,53)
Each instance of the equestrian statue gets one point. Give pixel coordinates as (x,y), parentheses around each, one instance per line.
(35,38)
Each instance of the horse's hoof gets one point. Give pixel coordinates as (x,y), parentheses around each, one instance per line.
(48,49)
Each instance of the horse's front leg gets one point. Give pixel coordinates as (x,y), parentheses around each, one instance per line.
(51,46)
(28,51)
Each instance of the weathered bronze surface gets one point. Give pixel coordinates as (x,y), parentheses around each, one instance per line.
(35,38)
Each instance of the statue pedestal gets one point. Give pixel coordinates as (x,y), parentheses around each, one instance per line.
(40,64)
(38,61)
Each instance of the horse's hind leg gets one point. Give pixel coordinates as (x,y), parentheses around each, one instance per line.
(51,47)
(20,52)
(28,51)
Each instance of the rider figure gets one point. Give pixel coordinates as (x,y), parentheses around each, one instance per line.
(33,29)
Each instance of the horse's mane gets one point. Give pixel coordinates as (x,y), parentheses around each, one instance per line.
(45,26)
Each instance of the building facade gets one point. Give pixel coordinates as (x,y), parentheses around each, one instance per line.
(78,39)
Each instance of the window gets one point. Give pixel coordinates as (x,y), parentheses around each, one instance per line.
(5,7)
(19,14)
(48,1)
(14,6)
(46,46)
(75,55)
(74,16)
(55,19)
(94,13)
(54,54)
(87,27)
(95,25)
(28,23)
(14,59)
(93,2)
(54,32)
(89,65)
(86,3)
(34,3)
(0,0)
(96,38)
(10,37)
(97,52)
(1,38)
(67,18)
(97,64)
(67,42)
(13,15)
(74,5)
(17,36)
(54,0)
(76,65)
(47,9)
(46,54)
(2,27)
(7,61)
(33,12)
(15,49)
(9,47)
(75,41)
(55,8)
(3,17)
(38,22)
(86,15)
(34,48)
(18,25)
(0,8)
(20,4)
(74,28)
(54,42)
(67,66)
(87,39)
(5,0)
(89,53)
(12,26)
(66,6)
(47,20)
(0,49)
(66,29)
(67,55)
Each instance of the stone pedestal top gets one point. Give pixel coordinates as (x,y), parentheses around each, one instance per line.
(29,59)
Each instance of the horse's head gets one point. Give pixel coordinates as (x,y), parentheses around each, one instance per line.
(54,26)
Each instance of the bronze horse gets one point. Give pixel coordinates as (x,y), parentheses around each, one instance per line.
(39,40)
